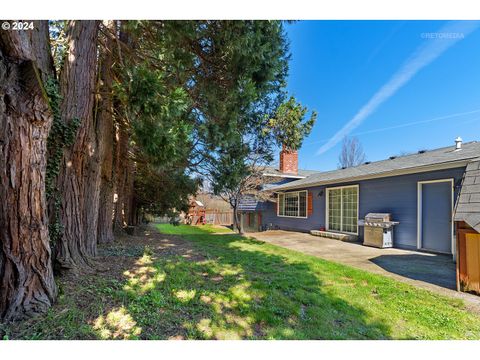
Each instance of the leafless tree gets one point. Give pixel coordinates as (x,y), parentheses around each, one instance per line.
(352,153)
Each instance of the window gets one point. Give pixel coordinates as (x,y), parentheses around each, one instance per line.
(342,205)
(302,201)
(293,204)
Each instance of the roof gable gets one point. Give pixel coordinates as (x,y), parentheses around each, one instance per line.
(468,205)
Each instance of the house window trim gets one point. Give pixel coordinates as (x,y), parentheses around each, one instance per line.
(327,191)
(298,198)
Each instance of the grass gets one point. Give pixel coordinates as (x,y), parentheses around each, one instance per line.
(210,283)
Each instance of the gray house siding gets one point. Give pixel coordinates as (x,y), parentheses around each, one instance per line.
(396,195)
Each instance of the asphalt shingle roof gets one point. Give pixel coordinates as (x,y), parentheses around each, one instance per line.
(444,155)
(250,203)
(301,172)
(468,206)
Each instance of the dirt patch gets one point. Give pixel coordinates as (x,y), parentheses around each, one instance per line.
(148,240)
(113,259)
(84,295)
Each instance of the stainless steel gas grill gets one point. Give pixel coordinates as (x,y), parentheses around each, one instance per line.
(378,230)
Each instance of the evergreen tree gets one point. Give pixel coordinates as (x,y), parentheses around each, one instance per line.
(135,108)
(194,86)
(238,171)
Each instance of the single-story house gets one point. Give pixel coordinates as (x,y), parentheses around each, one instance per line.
(419,190)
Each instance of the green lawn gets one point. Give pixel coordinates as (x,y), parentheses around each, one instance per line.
(219,285)
(289,295)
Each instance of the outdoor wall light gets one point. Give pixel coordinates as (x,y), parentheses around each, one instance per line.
(320,193)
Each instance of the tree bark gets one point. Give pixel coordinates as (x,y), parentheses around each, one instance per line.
(77,83)
(121,171)
(26,275)
(105,131)
(130,204)
(123,163)
(237,222)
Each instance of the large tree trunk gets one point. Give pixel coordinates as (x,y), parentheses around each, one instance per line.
(121,171)
(77,82)
(26,276)
(129,197)
(133,211)
(106,134)
(122,162)
(92,183)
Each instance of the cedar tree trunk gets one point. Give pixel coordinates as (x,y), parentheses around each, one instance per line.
(105,131)
(77,83)
(129,197)
(27,286)
(121,170)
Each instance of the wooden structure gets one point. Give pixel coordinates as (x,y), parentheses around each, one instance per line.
(196,213)
(468,258)
(467,220)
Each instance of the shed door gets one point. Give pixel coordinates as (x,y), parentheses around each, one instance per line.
(436,217)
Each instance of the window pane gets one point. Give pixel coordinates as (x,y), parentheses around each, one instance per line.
(349,204)
(334,206)
(281,204)
(291,204)
(303,204)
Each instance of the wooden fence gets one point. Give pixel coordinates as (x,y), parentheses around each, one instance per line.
(197,218)
(219,217)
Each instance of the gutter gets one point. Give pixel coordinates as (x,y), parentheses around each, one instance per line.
(406,171)
(285,176)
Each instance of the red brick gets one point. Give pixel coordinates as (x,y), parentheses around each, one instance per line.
(288,161)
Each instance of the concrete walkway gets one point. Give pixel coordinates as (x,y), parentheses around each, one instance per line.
(429,271)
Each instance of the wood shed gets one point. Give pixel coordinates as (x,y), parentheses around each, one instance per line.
(467,221)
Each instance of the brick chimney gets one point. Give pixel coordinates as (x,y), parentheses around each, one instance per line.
(288,161)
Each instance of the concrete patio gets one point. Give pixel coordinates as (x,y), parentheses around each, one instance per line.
(429,271)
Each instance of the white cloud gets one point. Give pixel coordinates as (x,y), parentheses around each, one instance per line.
(434,46)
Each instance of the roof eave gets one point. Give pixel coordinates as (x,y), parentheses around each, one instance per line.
(285,176)
(407,171)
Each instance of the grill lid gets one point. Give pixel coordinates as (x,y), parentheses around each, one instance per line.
(378,217)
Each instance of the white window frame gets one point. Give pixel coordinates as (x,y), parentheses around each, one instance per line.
(298,199)
(327,190)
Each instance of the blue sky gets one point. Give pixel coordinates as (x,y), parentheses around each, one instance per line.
(338,66)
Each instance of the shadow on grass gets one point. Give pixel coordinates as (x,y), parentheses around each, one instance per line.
(237,291)
(213,286)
